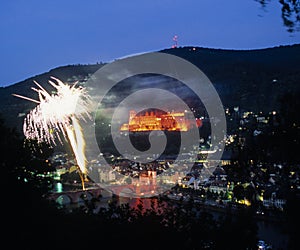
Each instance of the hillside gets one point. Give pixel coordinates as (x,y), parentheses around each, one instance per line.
(12,108)
(251,79)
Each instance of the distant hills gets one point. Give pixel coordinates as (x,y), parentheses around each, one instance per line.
(253,80)
(250,79)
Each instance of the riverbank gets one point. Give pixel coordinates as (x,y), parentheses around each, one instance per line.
(270,227)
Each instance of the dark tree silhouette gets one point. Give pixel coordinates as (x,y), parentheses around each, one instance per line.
(290,13)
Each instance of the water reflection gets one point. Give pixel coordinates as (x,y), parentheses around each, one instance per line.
(271,232)
(58,187)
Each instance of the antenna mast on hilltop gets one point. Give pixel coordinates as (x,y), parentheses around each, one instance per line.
(175,39)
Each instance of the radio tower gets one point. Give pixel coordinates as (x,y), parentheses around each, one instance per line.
(175,39)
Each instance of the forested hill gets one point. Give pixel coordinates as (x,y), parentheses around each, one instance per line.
(251,79)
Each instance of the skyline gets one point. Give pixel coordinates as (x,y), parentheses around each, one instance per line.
(42,36)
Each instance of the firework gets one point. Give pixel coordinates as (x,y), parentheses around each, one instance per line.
(57,116)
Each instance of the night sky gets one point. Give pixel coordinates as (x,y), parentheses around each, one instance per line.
(37,36)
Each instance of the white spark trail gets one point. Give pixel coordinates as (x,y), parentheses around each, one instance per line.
(57,116)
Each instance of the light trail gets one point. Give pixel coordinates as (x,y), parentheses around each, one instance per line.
(57,116)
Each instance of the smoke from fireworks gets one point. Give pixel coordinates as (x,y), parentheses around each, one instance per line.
(57,115)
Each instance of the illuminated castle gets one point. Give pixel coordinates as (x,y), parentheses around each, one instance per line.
(175,121)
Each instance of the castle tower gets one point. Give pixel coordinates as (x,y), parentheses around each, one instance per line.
(132,114)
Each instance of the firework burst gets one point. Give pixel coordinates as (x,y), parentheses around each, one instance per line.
(57,116)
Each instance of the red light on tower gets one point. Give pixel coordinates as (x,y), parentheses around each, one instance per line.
(175,39)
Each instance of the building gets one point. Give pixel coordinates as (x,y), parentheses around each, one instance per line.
(152,120)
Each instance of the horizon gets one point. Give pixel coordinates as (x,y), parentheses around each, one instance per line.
(135,54)
(42,36)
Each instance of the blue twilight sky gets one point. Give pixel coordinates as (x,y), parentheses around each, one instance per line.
(37,36)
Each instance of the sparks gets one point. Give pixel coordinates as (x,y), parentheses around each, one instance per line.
(57,116)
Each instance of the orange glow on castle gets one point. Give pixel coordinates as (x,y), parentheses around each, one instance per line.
(149,121)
